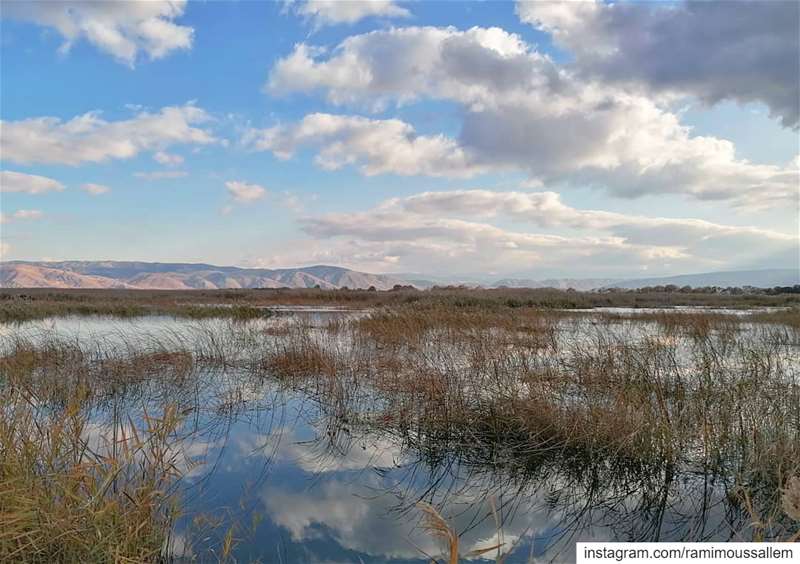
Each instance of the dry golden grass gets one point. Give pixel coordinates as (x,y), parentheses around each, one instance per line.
(64,498)
(178,364)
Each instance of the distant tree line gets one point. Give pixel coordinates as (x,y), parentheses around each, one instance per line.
(724,290)
(665,289)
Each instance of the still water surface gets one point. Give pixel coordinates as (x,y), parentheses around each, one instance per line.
(302,480)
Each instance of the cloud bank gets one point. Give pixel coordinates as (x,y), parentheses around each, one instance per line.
(713,50)
(124,29)
(89,138)
(448,231)
(520,111)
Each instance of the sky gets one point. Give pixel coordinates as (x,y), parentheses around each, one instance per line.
(529,139)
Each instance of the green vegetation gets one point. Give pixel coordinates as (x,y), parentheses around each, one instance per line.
(26,304)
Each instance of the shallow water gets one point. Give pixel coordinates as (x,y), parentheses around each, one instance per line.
(302,478)
(680,309)
(297,479)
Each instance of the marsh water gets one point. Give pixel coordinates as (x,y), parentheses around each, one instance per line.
(303,477)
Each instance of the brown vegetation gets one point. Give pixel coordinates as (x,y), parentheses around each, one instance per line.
(22,304)
(65,497)
(651,398)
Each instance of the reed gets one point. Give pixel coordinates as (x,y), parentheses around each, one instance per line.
(597,399)
(64,497)
(15,308)
(709,391)
(38,303)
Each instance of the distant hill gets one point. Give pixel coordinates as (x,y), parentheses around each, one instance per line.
(183,276)
(180,276)
(582,284)
(34,276)
(755,278)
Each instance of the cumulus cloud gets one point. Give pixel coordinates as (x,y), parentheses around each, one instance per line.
(404,64)
(5,249)
(123,29)
(376,146)
(520,112)
(713,50)
(90,138)
(461,231)
(96,189)
(11,181)
(331,12)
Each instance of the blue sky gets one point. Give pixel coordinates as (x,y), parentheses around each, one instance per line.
(436,137)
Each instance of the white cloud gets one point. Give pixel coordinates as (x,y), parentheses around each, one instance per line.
(11,181)
(89,138)
(362,521)
(124,29)
(408,63)
(161,175)
(167,159)
(376,146)
(520,111)
(5,250)
(546,210)
(96,189)
(332,12)
(244,193)
(713,50)
(460,232)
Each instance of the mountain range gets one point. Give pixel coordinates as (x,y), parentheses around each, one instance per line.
(183,276)
(180,276)
(757,278)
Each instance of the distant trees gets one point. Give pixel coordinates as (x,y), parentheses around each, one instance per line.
(729,290)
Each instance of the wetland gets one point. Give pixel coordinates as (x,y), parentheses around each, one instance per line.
(405,431)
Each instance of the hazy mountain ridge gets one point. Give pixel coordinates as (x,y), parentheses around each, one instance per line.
(768,278)
(582,284)
(34,276)
(757,278)
(180,276)
(185,276)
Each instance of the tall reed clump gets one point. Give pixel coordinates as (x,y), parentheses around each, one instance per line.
(73,490)
(18,310)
